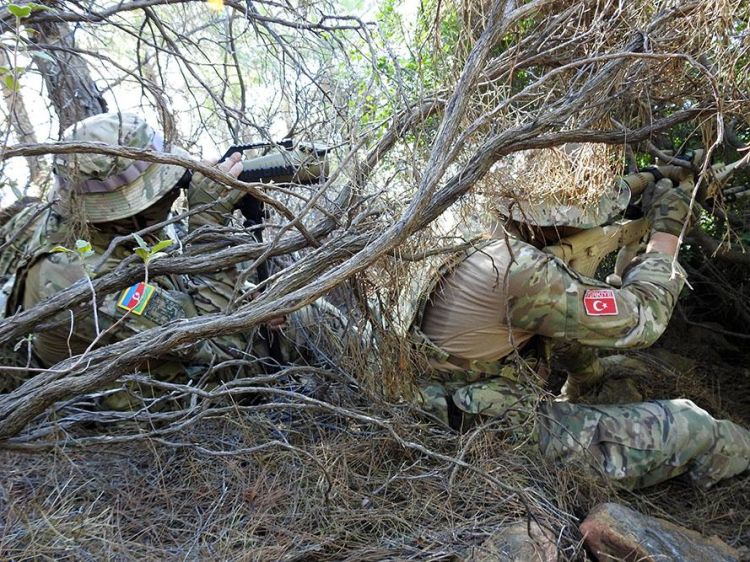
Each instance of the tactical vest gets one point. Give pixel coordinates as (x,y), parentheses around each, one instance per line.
(23,239)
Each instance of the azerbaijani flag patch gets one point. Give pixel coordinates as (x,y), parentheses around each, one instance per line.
(135,299)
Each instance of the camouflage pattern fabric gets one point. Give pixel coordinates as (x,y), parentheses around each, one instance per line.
(549,299)
(104,187)
(175,297)
(22,240)
(536,293)
(459,405)
(204,190)
(43,273)
(580,364)
(206,294)
(636,444)
(639,445)
(668,207)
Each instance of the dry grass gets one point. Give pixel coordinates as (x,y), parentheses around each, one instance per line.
(333,487)
(354,494)
(371,481)
(572,174)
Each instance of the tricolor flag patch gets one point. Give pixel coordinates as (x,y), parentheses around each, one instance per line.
(135,299)
(600,302)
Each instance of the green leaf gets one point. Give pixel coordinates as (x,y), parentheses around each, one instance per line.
(143,254)
(19,11)
(59,249)
(161,245)
(84,247)
(10,82)
(141,242)
(37,7)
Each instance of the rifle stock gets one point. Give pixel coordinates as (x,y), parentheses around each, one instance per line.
(585,250)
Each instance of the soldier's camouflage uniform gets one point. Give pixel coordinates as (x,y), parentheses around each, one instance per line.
(485,306)
(123,199)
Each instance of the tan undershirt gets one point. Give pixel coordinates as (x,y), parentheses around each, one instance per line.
(466,315)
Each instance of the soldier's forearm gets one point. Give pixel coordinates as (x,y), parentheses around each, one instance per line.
(664,243)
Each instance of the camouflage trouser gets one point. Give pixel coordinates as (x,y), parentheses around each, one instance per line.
(637,445)
(645,443)
(459,404)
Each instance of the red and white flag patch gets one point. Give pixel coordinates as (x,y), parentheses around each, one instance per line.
(600,302)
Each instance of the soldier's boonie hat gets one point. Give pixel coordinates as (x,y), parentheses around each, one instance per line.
(548,212)
(112,187)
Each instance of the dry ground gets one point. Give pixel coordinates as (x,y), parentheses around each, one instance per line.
(369,482)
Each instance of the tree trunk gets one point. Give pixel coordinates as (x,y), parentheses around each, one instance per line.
(69,84)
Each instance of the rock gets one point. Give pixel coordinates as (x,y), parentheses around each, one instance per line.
(614,532)
(519,542)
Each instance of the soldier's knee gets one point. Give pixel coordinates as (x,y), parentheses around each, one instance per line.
(687,415)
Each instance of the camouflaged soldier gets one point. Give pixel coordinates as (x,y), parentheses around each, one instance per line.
(101,197)
(477,319)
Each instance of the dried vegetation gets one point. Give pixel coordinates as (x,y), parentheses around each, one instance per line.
(313,463)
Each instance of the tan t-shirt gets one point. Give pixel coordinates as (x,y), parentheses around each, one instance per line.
(466,314)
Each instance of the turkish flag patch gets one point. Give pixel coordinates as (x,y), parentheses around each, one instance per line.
(600,302)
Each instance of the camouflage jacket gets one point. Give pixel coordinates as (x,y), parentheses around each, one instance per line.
(507,291)
(36,272)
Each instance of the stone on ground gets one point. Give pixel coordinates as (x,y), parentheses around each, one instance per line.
(614,532)
(520,542)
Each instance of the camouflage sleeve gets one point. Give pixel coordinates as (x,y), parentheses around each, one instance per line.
(548,298)
(212,292)
(205,190)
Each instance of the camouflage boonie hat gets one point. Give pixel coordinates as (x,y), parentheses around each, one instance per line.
(111,187)
(551,213)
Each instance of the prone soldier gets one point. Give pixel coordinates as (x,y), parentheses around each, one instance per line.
(100,197)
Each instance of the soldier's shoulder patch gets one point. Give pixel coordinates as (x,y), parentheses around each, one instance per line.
(151,302)
(135,299)
(600,302)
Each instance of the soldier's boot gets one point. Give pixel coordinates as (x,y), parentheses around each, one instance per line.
(609,380)
(582,383)
(433,399)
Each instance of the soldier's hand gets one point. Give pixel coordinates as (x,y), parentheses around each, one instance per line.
(205,190)
(667,207)
(232,165)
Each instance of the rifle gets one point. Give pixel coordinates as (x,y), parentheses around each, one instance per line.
(585,250)
(301,164)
